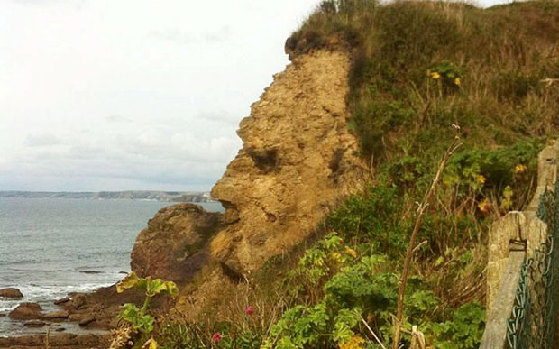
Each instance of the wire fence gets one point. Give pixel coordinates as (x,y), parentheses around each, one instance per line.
(532,322)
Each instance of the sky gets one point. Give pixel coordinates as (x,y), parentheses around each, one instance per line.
(132,94)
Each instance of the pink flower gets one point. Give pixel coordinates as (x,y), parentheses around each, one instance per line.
(216,338)
(249,310)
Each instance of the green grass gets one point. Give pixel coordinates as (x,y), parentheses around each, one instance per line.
(502,53)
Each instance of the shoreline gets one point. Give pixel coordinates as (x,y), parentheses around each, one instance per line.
(57,341)
(79,315)
(97,310)
(39,323)
(45,278)
(63,333)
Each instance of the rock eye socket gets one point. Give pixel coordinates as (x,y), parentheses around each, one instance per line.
(265,160)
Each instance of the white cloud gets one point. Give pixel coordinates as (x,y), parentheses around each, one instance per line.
(108,95)
(182,37)
(41,140)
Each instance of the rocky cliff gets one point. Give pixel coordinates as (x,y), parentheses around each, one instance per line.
(298,160)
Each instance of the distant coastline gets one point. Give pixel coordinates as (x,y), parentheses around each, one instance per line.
(169,196)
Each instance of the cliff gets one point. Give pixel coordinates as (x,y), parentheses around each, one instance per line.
(297,162)
(298,159)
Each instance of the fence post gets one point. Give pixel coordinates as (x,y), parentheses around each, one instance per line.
(495,334)
(512,240)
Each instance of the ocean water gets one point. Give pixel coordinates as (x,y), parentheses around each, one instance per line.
(52,246)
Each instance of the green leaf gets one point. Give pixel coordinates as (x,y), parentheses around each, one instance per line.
(157,286)
(131,281)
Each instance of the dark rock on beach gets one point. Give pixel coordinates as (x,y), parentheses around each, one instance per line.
(60,314)
(86,320)
(77,301)
(11,293)
(99,309)
(58,341)
(34,323)
(26,311)
(61,301)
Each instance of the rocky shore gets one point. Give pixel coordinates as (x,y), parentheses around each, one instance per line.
(93,313)
(84,320)
(58,341)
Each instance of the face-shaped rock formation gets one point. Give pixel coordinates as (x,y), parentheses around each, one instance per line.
(298,159)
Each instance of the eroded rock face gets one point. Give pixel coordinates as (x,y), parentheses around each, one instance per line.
(173,246)
(298,159)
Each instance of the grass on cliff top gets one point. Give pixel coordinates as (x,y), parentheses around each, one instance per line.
(491,68)
(418,67)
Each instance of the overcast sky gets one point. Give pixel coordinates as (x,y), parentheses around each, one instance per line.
(132,94)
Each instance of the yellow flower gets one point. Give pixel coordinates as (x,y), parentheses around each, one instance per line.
(520,168)
(336,257)
(356,342)
(435,75)
(457,81)
(350,252)
(484,206)
(480,179)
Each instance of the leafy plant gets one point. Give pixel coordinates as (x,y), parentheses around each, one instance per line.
(446,76)
(376,217)
(139,319)
(319,263)
(465,329)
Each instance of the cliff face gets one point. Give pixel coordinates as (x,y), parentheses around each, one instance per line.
(298,159)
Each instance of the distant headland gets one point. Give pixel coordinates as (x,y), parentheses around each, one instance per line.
(171,196)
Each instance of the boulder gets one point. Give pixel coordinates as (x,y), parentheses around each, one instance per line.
(86,320)
(34,323)
(26,311)
(174,244)
(61,301)
(78,300)
(13,293)
(105,304)
(59,314)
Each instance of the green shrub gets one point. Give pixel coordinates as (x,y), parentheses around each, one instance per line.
(465,329)
(374,217)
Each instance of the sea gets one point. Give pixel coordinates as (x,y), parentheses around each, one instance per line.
(50,247)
